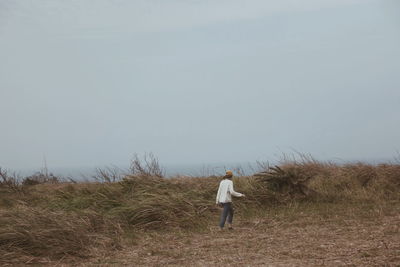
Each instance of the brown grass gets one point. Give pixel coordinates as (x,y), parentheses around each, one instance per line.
(300,235)
(71,222)
(36,235)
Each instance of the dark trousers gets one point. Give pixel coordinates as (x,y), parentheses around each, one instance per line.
(227,212)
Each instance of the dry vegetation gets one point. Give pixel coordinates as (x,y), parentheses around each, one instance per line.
(300,213)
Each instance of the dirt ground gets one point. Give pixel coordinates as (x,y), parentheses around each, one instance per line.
(301,240)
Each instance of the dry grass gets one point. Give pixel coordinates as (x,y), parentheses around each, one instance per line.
(36,235)
(300,235)
(68,222)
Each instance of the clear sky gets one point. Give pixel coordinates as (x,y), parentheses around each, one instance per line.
(91,82)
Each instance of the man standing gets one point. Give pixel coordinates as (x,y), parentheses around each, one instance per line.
(224,198)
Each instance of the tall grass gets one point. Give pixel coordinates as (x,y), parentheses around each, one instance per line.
(69,221)
(34,234)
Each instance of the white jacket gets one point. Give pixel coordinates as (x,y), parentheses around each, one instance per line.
(226,191)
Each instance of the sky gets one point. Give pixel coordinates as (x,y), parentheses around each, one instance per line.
(90,83)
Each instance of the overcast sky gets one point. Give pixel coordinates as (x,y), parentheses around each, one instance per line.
(92,82)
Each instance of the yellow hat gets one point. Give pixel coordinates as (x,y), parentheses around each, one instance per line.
(229,173)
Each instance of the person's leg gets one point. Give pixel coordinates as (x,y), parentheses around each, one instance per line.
(224,214)
(230,215)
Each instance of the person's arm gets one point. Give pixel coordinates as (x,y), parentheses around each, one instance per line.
(233,192)
(218,194)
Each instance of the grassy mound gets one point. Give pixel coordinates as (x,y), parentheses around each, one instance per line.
(34,234)
(48,222)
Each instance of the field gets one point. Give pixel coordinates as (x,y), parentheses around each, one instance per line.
(300,213)
(298,239)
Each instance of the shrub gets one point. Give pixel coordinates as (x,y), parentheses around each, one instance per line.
(10,182)
(40,178)
(149,166)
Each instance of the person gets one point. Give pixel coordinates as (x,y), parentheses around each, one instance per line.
(224,199)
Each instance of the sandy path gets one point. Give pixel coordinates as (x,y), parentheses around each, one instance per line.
(303,241)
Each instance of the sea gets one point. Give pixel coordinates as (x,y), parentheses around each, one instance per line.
(91,173)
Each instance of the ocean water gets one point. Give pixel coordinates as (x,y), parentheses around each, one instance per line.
(88,173)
